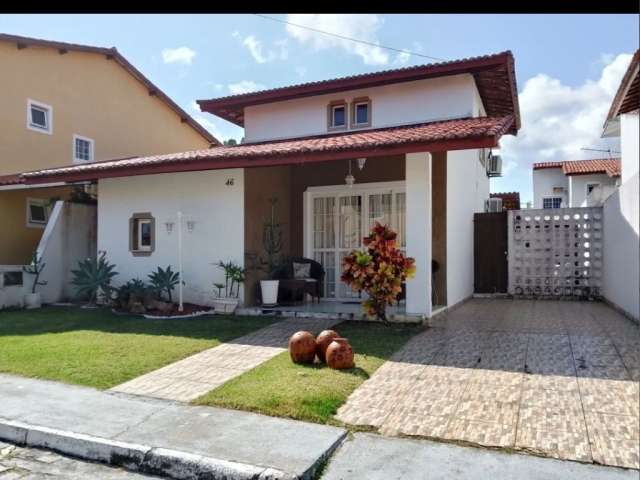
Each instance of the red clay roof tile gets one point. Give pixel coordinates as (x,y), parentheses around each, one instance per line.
(434,136)
(610,166)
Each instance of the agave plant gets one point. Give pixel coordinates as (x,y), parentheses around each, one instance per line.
(164,281)
(93,276)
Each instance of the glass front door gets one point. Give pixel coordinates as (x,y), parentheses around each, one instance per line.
(341,217)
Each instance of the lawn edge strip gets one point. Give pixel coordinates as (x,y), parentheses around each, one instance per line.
(142,458)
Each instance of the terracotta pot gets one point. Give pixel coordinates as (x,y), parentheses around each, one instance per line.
(340,354)
(322,342)
(302,347)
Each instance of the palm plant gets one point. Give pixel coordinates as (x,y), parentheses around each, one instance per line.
(92,276)
(164,281)
(233,276)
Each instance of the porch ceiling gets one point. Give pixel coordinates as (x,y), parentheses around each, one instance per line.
(459,134)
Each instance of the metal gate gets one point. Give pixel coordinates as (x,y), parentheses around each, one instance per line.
(490,252)
(556,252)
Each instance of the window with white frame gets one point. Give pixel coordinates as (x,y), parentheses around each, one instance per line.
(591,186)
(82,149)
(37,212)
(39,117)
(552,202)
(337,113)
(142,233)
(361,112)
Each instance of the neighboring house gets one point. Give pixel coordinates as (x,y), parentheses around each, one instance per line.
(577,183)
(510,200)
(65,104)
(622,208)
(407,147)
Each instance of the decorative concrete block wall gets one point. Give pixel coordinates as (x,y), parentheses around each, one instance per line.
(556,252)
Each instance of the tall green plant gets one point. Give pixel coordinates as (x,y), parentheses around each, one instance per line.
(234,276)
(164,281)
(93,276)
(35,268)
(272,239)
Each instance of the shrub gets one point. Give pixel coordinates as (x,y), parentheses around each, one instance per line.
(164,281)
(379,271)
(93,276)
(135,289)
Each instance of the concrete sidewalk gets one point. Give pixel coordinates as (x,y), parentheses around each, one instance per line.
(160,437)
(372,457)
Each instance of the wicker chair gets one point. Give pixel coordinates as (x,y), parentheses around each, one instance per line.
(314,285)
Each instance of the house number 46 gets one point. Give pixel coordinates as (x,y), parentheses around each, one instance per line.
(229,182)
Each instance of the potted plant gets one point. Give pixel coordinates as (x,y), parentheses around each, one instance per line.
(272,243)
(93,277)
(233,277)
(33,299)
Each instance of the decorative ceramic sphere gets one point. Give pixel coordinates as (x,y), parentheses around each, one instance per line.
(340,354)
(302,347)
(322,343)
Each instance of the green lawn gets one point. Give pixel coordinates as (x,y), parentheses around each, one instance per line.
(310,392)
(99,349)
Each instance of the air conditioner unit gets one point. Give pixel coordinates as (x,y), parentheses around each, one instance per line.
(493,205)
(494,166)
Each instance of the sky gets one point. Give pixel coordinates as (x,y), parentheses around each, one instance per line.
(568,67)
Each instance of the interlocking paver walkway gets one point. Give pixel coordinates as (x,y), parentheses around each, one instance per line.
(198,374)
(558,378)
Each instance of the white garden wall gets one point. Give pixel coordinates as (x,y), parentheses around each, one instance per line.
(622,247)
(70,236)
(401,103)
(467,189)
(213,199)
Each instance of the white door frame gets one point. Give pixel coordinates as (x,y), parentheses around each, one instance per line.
(364,189)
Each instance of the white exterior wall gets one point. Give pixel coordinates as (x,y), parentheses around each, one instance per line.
(578,187)
(217,209)
(466,194)
(543,182)
(629,140)
(621,261)
(402,103)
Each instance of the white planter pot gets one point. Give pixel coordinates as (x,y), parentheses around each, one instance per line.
(225,305)
(269,292)
(32,300)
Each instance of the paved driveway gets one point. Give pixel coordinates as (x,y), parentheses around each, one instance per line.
(555,378)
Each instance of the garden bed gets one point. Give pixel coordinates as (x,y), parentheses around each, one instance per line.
(313,393)
(189,310)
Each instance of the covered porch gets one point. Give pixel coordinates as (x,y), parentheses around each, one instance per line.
(324,217)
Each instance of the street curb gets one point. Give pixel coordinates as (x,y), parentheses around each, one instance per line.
(141,458)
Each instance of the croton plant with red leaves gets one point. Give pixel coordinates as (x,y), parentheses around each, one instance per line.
(379,271)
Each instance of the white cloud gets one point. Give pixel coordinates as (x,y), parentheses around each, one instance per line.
(559,120)
(261,54)
(244,86)
(301,71)
(361,27)
(183,55)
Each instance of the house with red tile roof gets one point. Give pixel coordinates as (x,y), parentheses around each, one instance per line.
(576,183)
(407,147)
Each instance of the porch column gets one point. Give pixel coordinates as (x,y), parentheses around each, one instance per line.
(418,211)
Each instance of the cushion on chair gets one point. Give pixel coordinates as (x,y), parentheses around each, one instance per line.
(301,270)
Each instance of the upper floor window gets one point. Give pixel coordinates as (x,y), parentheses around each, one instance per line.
(361,112)
(337,113)
(82,149)
(39,117)
(552,202)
